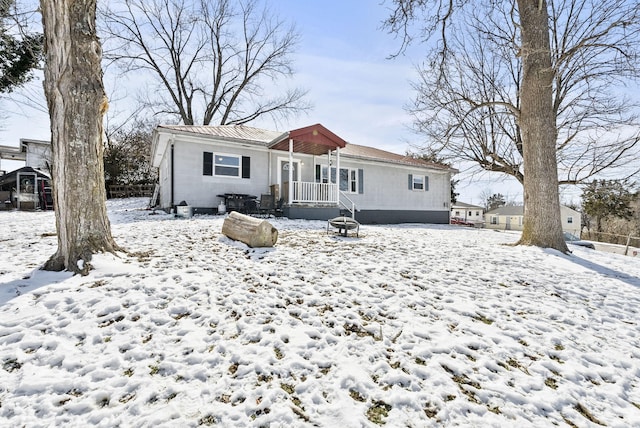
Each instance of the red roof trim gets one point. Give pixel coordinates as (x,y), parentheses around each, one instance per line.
(314,139)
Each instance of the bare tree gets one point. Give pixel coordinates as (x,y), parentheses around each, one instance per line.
(471,111)
(535,117)
(210,61)
(127,154)
(77,103)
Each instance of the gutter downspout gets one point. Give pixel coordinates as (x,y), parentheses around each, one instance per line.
(172,178)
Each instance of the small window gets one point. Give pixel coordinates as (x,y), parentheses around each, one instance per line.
(457,213)
(418,182)
(349,180)
(477,213)
(227,165)
(569,220)
(494,219)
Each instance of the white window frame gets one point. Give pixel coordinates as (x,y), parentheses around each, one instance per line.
(215,164)
(415,178)
(352,180)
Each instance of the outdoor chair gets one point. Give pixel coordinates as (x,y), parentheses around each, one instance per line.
(267,205)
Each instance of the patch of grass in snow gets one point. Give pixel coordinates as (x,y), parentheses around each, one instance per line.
(233,368)
(494,409)
(522,342)
(551,383)
(142,256)
(513,363)
(568,422)
(98,283)
(358,330)
(181,315)
(63,401)
(556,358)
(584,412)
(463,381)
(355,395)
(127,397)
(75,392)
(11,365)
(154,369)
(558,347)
(420,361)
(208,420)
(147,338)
(108,322)
(128,372)
(300,413)
(378,411)
(483,319)
(278,352)
(431,410)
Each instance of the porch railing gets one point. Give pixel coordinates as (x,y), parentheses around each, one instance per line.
(310,192)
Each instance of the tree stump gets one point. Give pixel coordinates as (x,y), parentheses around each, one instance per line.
(252,231)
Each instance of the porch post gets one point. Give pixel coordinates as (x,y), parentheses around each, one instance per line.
(338,175)
(290,170)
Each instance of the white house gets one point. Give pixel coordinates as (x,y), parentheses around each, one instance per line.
(312,171)
(511,218)
(34,153)
(467,212)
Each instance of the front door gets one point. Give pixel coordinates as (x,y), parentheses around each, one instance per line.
(283,175)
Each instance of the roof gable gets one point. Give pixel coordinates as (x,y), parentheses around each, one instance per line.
(314,140)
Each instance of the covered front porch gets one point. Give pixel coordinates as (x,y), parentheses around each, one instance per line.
(322,190)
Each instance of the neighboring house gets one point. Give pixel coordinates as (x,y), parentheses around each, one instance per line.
(34,153)
(315,173)
(467,212)
(27,187)
(511,218)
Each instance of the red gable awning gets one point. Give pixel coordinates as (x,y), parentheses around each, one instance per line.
(313,140)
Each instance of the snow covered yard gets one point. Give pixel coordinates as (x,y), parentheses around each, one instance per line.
(407,326)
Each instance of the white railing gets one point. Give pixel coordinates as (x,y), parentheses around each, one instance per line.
(351,206)
(309,192)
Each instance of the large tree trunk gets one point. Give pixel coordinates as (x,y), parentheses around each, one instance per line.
(77,103)
(542,222)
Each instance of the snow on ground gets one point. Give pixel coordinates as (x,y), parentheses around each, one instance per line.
(406,326)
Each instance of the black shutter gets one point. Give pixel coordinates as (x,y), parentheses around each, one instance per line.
(426,183)
(207,163)
(360,181)
(246,167)
(410,181)
(318,174)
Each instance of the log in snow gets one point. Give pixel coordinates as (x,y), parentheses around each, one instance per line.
(252,231)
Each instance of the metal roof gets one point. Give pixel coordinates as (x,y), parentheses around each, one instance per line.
(513,210)
(459,204)
(231,132)
(365,152)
